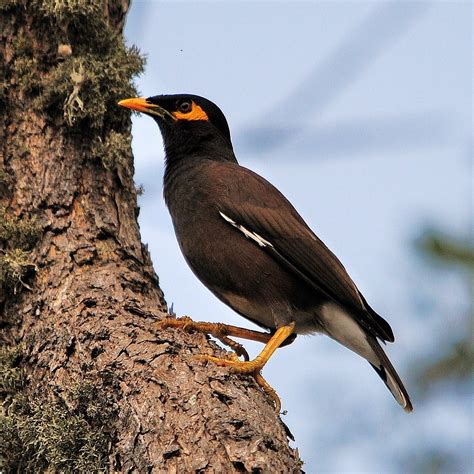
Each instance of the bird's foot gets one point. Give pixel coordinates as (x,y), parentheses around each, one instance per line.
(252,368)
(255,366)
(219,331)
(235,364)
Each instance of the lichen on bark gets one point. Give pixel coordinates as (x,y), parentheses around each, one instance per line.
(17,237)
(59,434)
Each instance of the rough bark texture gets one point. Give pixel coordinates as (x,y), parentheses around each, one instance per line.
(87,383)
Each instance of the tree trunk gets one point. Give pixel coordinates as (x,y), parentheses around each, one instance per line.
(86,381)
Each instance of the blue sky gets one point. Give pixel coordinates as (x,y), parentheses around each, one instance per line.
(361,114)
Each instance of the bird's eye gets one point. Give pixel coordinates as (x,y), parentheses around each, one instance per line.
(185,106)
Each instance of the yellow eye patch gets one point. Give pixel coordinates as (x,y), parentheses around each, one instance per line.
(196,113)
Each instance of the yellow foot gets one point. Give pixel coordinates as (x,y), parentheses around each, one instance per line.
(236,366)
(249,368)
(221,331)
(270,391)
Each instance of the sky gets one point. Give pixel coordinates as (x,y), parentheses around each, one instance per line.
(361,114)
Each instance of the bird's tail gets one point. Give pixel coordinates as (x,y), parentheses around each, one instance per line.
(342,326)
(388,374)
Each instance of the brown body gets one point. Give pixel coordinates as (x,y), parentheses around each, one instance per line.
(231,265)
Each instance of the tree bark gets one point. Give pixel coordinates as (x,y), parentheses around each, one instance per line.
(87,383)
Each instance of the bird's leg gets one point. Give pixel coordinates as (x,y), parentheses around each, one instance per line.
(219,331)
(256,365)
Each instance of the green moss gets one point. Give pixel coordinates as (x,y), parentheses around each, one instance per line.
(10,448)
(15,267)
(18,233)
(22,46)
(70,8)
(88,87)
(7,4)
(92,401)
(87,84)
(26,70)
(112,151)
(11,376)
(68,434)
(17,236)
(39,434)
(83,23)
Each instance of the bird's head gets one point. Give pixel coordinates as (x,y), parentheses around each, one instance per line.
(183,117)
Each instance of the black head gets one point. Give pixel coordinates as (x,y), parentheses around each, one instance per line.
(182,112)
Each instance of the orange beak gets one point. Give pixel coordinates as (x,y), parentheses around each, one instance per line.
(141,104)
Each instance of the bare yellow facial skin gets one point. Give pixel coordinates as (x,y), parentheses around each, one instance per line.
(196,113)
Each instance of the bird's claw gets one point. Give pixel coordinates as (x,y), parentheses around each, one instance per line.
(235,364)
(252,368)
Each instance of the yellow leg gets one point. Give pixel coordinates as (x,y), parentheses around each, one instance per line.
(221,331)
(210,328)
(256,365)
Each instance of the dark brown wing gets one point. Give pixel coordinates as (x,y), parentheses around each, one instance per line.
(256,205)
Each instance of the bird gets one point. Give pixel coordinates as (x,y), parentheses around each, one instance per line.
(250,247)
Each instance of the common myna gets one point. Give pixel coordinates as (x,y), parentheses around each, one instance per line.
(246,242)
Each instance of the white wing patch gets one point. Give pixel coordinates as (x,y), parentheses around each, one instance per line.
(250,235)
